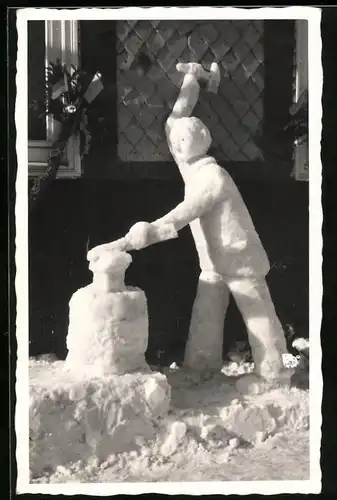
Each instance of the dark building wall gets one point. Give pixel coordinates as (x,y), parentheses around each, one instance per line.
(76,215)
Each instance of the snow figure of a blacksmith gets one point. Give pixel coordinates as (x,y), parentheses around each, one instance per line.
(231,255)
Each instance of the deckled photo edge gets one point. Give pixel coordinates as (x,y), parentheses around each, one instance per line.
(21,255)
(315,76)
(21,260)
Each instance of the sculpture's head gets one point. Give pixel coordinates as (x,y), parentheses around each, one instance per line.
(190,138)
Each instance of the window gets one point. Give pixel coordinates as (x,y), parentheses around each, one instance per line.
(246,117)
(301,168)
(48,41)
(234,114)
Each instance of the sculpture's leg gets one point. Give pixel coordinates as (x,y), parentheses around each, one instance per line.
(205,341)
(265,331)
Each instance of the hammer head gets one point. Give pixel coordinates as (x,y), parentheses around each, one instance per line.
(211,78)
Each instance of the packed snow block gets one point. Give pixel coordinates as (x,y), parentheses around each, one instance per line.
(263,415)
(108,321)
(72,420)
(108,331)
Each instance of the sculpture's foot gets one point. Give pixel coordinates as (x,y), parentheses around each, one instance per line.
(199,376)
(253,383)
(187,377)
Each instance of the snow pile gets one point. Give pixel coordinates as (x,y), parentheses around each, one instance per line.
(209,424)
(72,420)
(175,438)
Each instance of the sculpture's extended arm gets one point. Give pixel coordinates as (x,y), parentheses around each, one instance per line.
(207,192)
(139,236)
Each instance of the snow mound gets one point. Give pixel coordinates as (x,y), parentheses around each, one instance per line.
(175,438)
(72,420)
(208,424)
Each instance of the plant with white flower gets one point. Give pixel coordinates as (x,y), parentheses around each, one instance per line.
(290,361)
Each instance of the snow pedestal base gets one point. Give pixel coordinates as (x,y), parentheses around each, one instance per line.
(108,332)
(71,420)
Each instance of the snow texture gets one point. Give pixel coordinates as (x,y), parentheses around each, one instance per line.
(209,424)
(108,332)
(108,322)
(72,420)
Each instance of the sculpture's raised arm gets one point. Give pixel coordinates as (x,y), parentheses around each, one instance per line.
(207,189)
(189,92)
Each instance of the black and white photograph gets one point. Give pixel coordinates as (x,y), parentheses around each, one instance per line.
(168,250)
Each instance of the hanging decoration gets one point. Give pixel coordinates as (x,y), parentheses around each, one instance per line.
(294,131)
(69,97)
(298,122)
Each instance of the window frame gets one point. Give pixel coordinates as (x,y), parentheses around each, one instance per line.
(301,152)
(61,41)
(105,162)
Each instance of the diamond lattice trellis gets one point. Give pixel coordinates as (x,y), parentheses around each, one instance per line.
(233,115)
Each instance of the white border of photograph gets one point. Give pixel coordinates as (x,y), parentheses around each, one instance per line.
(313,485)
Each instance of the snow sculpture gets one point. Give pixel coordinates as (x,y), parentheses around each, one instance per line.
(231,255)
(108,322)
(104,398)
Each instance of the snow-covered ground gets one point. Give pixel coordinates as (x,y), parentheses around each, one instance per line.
(212,433)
